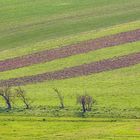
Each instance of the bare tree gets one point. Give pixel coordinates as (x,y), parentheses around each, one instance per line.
(60,97)
(86,102)
(22,95)
(89,102)
(82,100)
(7,95)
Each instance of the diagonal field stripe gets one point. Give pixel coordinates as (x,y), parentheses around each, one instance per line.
(84,47)
(82,70)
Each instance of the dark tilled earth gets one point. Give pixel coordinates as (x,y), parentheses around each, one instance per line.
(84,47)
(85,69)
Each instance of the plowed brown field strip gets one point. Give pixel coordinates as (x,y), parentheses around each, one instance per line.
(84,47)
(85,69)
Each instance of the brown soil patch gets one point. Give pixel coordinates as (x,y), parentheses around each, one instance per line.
(84,47)
(85,69)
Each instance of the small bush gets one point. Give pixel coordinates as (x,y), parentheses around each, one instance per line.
(86,101)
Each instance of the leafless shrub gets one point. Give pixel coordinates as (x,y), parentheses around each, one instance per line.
(22,95)
(60,97)
(86,101)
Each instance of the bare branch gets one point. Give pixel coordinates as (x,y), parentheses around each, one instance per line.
(22,95)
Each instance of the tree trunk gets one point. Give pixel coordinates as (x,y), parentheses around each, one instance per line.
(62,105)
(27,106)
(83,106)
(8,104)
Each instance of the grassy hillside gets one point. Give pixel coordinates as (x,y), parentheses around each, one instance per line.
(72,60)
(70,39)
(27,22)
(28,27)
(116,92)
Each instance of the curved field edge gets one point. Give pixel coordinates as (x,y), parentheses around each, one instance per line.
(81,70)
(71,61)
(68,128)
(73,39)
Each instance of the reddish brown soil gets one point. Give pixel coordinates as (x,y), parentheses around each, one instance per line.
(84,47)
(85,69)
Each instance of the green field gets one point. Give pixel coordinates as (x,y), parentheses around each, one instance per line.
(71,39)
(36,25)
(28,22)
(68,128)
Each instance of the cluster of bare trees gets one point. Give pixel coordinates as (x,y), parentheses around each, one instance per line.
(86,101)
(10,94)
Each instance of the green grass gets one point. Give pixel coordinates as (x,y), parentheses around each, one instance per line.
(73,61)
(36,25)
(116,93)
(27,128)
(28,22)
(70,39)
(31,26)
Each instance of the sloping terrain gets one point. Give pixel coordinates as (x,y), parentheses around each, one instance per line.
(84,69)
(72,61)
(28,22)
(79,47)
(71,41)
(85,47)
